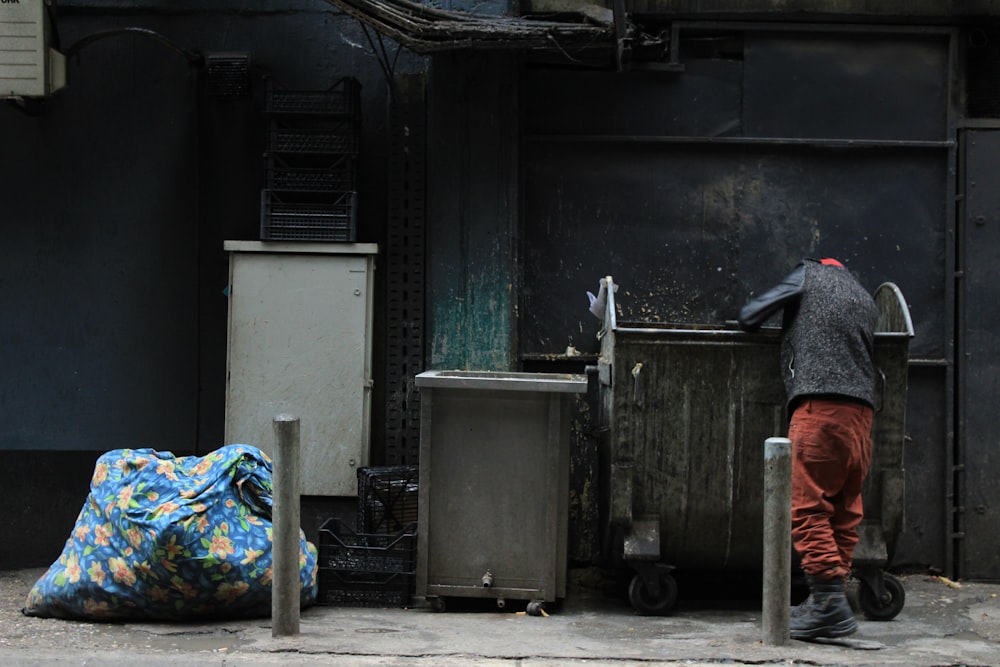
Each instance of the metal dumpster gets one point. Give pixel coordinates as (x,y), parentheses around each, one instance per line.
(493,493)
(683,413)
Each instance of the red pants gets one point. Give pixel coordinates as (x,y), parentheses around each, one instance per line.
(831,452)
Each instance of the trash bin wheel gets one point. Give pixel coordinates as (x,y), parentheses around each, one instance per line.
(887,608)
(535,607)
(438,604)
(653,599)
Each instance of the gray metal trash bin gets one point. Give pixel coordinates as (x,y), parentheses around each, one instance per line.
(494,485)
(684,411)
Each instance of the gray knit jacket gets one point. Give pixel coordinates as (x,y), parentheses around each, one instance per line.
(828,332)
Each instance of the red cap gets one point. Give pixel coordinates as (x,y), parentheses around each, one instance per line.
(830,261)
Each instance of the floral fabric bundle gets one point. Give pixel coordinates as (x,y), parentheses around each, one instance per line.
(167,538)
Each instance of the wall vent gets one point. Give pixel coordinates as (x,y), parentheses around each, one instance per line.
(228,74)
(29,67)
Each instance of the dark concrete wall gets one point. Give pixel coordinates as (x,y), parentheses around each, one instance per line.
(118,192)
(471,233)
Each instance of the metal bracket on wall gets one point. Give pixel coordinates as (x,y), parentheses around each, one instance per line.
(674,63)
(623,46)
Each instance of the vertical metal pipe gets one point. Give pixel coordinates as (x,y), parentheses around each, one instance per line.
(777,540)
(286,522)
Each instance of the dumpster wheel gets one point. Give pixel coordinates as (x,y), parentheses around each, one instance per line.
(890,604)
(653,597)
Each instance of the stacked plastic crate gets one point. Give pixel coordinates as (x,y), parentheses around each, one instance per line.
(374,565)
(310,189)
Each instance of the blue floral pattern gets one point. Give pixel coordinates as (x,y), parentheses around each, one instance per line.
(168,538)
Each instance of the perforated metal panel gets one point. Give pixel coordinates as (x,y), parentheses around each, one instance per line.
(405,269)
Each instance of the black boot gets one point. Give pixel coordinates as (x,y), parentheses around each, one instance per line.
(825,613)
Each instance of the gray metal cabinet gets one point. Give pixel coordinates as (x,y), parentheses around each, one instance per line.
(300,320)
(494,485)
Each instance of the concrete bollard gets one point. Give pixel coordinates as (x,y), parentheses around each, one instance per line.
(777,541)
(286,523)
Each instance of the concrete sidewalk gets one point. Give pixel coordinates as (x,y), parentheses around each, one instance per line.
(942,623)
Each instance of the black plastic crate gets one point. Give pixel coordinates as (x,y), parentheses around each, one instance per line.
(318,174)
(333,137)
(365,569)
(341,99)
(304,216)
(387,498)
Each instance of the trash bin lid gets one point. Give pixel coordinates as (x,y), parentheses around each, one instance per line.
(503,381)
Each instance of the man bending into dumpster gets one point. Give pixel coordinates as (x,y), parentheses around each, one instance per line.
(828,324)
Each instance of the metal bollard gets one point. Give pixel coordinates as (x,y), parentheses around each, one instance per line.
(777,541)
(286,520)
